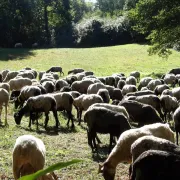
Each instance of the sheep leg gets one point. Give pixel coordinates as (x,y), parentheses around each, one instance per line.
(70,117)
(98,140)
(30,119)
(160,113)
(165,115)
(56,118)
(16,171)
(110,143)
(6,115)
(0,114)
(93,139)
(177,137)
(46,120)
(90,140)
(80,114)
(37,121)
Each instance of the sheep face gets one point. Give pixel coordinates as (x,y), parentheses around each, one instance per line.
(107,171)
(17,117)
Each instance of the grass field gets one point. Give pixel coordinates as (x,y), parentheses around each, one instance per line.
(68,144)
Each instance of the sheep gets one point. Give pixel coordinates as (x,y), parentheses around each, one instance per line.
(43,90)
(81,86)
(65,89)
(4,100)
(28,155)
(116,94)
(102,79)
(153,83)
(109,80)
(5,86)
(84,101)
(146,143)
(174,71)
(112,107)
(55,69)
(35,45)
(10,75)
(74,94)
(26,74)
(144,89)
(64,101)
(4,73)
(14,95)
(170,79)
(176,118)
(60,83)
(75,71)
(1,77)
(174,92)
(41,74)
(140,93)
(70,79)
(121,84)
(17,84)
(121,152)
(128,88)
(41,103)
(131,80)
(152,100)
(156,165)
(102,120)
(49,86)
(94,88)
(136,74)
(18,45)
(160,88)
(144,82)
(169,104)
(25,93)
(104,94)
(141,113)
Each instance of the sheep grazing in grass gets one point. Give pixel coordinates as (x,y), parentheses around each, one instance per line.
(84,101)
(35,45)
(29,156)
(141,113)
(55,69)
(60,84)
(128,88)
(131,80)
(75,71)
(25,93)
(103,120)
(174,92)
(174,71)
(140,93)
(160,88)
(153,83)
(10,75)
(170,79)
(5,86)
(4,100)
(41,103)
(136,74)
(104,94)
(121,83)
(4,73)
(18,45)
(156,165)
(94,88)
(176,118)
(144,82)
(49,86)
(122,151)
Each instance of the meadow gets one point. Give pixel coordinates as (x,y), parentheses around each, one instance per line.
(66,144)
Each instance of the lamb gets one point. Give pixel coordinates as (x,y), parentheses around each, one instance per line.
(136,74)
(170,79)
(60,84)
(10,75)
(176,118)
(94,88)
(169,104)
(83,102)
(174,71)
(75,71)
(4,100)
(5,86)
(146,143)
(174,92)
(25,93)
(81,86)
(141,113)
(131,80)
(144,82)
(17,84)
(29,156)
(18,45)
(49,86)
(152,100)
(153,83)
(41,103)
(104,94)
(160,88)
(156,165)
(55,69)
(128,88)
(102,120)
(121,152)
(65,102)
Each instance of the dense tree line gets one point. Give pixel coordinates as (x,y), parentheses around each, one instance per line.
(60,23)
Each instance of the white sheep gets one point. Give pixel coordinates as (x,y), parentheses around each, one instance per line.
(170,79)
(10,75)
(122,151)
(60,84)
(84,101)
(4,100)
(17,84)
(131,80)
(160,88)
(153,83)
(174,92)
(5,86)
(144,82)
(136,74)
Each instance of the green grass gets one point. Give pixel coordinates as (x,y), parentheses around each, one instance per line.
(67,144)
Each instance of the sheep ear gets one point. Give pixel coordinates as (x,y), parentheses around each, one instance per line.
(101,168)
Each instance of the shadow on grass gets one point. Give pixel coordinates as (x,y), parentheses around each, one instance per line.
(14,54)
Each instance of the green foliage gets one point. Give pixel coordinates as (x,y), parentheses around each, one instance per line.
(50,169)
(159,20)
(103,32)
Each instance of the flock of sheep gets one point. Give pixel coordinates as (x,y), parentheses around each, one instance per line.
(112,105)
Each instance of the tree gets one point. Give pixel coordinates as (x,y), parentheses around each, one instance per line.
(160,21)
